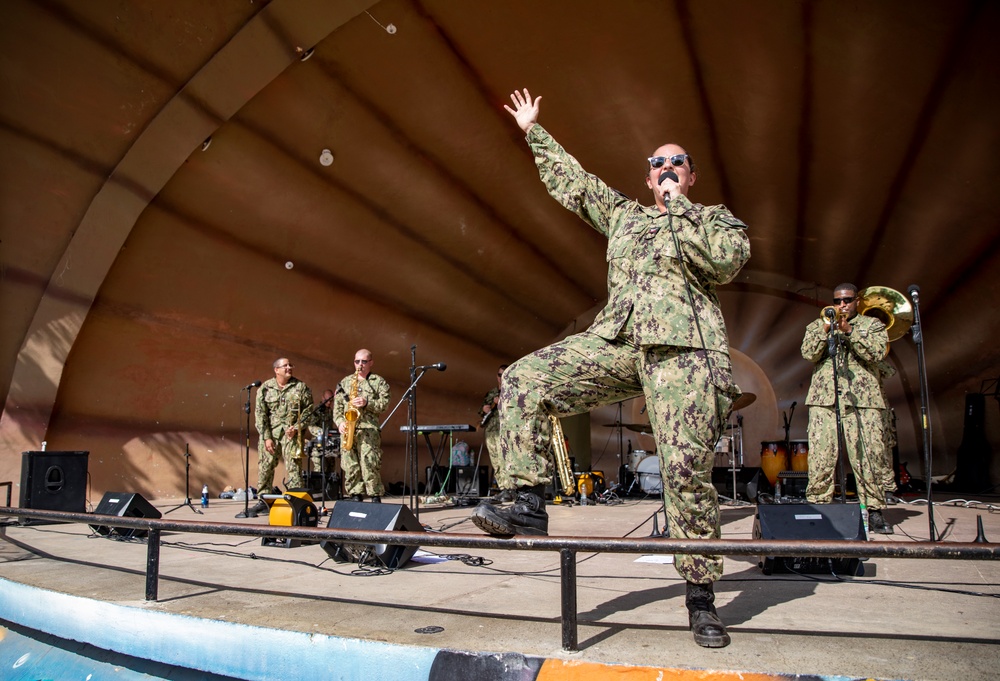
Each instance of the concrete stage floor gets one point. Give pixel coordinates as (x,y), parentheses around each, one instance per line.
(904,619)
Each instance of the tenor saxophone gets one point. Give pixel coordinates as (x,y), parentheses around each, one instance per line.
(351,415)
(562,458)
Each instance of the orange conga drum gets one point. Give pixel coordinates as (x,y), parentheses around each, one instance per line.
(773,459)
(800,455)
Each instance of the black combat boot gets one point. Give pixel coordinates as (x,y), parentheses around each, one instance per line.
(525,516)
(376,500)
(357,497)
(877,523)
(708,630)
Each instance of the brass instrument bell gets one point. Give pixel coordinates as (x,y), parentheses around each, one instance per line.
(888,306)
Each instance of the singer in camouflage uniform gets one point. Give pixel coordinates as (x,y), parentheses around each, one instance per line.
(284,408)
(362,463)
(660,335)
(488,417)
(859,342)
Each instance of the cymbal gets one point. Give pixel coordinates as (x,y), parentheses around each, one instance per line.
(744,401)
(639,427)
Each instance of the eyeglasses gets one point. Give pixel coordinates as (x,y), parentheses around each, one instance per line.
(362,361)
(285,366)
(838,301)
(675,160)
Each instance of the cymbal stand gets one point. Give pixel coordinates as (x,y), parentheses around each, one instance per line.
(187,484)
(736,455)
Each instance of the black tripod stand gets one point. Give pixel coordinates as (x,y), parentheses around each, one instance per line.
(187,484)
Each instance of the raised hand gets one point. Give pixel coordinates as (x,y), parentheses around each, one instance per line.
(525,111)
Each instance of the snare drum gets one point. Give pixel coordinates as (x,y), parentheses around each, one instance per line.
(648,471)
(635,457)
(773,459)
(800,455)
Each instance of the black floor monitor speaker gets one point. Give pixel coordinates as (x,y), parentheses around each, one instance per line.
(750,482)
(360,515)
(54,481)
(808,522)
(471,481)
(124,505)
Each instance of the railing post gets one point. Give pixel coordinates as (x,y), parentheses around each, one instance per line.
(152,564)
(567,563)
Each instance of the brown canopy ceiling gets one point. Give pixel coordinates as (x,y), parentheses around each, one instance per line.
(168,229)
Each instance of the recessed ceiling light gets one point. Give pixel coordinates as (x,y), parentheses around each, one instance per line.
(326,157)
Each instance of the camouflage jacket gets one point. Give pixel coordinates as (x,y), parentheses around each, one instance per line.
(278,408)
(374,388)
(488,401)
(647,276)
(858,357)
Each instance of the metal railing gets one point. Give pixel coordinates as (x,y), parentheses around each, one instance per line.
(567,547)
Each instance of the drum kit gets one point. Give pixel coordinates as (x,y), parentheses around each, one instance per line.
(644,466)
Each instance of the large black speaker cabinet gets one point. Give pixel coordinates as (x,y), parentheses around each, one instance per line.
(54,481)
(124,505)
(807,522)
(359,515)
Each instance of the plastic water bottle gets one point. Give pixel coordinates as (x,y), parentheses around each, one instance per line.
(864,519)
(204,496)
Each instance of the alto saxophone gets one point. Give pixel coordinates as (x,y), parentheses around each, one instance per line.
(562,458)
(351,415)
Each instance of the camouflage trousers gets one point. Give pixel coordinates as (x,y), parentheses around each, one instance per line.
(887,475)
(362,464)
(865,452)
(688,399)
(496,459)
(285,449)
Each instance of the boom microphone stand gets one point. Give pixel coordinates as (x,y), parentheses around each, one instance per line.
(925,424)
(187,483)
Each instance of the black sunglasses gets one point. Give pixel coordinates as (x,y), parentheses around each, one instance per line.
(838,301)
(675,160)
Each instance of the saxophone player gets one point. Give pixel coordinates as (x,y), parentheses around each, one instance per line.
(284,407)
(367,394)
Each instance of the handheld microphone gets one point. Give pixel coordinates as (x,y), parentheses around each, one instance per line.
(255,384)
(831,312)
(440,366)
(914,292)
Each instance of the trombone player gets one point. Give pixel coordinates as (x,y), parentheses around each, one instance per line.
(853,344)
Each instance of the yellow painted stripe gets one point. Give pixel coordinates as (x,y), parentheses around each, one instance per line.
(568,670)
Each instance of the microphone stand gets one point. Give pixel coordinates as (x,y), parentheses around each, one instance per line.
(925,426)
(832,350)
(246,459)
(187,483)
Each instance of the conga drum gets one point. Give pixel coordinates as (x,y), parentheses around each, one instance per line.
(773,459)
(800,455)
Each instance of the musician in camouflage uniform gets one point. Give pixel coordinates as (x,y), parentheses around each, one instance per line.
(362,463)
(284,407)
(488,417)
(888,473)
(660,335)
(859,343)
